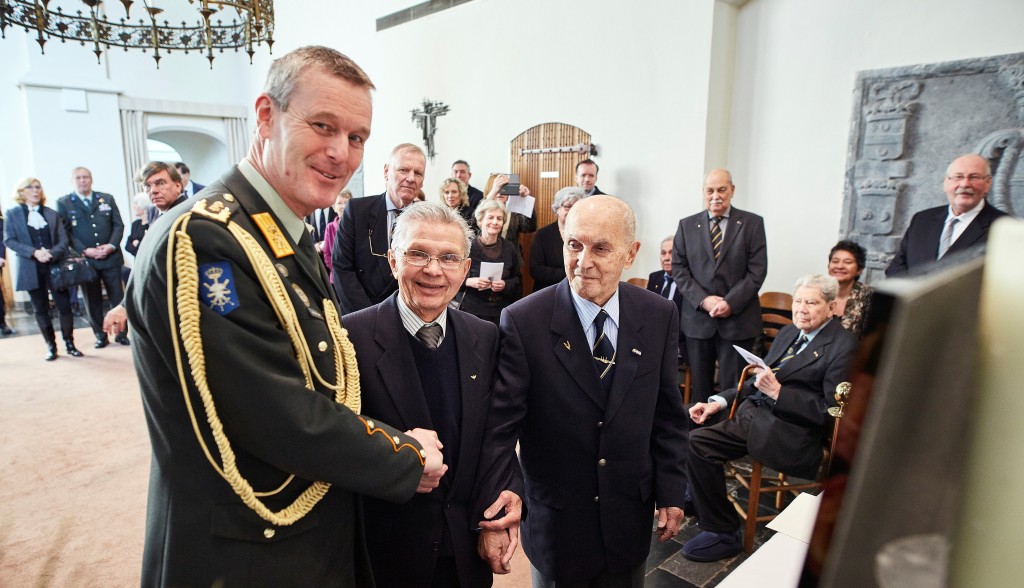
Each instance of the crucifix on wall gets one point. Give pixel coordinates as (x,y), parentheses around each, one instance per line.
(426,119)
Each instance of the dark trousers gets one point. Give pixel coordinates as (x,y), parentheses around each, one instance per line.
(702,354)
(629,579)
(710,448)
(40,298)
(109,278)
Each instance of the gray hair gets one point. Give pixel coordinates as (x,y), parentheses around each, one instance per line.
(142,200)
(489,204)
(285,72)
(565,194)
(828,285)
(670,238)
(428,213)
(402,148)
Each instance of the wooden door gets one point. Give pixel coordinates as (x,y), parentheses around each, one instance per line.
(545,158)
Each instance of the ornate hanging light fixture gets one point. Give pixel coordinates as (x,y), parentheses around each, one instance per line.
(205,35)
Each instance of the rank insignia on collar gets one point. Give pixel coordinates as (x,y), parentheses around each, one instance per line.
(218,291)
(272,233)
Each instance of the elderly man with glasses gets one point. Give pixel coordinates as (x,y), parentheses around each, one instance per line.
(959,227)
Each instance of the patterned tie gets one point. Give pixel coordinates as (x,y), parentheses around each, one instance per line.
(666,288)
(791,352)
(716,235)
(947,237)
(604,353)
(430,335)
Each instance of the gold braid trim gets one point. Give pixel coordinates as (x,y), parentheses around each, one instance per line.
(181,259)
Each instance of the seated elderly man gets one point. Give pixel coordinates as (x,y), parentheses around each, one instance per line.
(782,417)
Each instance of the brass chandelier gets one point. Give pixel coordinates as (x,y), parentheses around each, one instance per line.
(93,27)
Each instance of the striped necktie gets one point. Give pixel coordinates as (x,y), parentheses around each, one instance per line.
(791,352)
(947,237)
(716,235)
(430,335)
(666,288)
(604,353)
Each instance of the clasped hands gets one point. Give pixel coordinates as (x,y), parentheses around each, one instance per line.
(716,306)
(99,252)
(486,284)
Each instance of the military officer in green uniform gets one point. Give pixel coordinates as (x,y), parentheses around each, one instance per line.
(248,379)
(95,227)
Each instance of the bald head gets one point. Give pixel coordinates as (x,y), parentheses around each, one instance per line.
(600,242)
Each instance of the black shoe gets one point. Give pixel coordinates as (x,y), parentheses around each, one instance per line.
(709,546)
(101,342)
(52,355)
(122,338)
(72,350)
(6,331)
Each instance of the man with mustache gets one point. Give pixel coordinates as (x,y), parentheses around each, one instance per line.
(944,230)
(362,275)
(719,261)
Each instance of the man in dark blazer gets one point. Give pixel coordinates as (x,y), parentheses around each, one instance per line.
(782,417)
(547,264)
(586,177)
(319,220)
(188,187)
(413,381)
(587,386)
(163,185)
(95,226)
(959,227)
(362,276)
(662,284)
(260,454)
(460,171)
(719,261)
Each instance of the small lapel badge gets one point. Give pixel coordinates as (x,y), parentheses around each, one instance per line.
(815,354)
(567,346)
(473,377)
(637,351)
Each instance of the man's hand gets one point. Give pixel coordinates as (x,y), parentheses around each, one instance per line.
(116,321)
(708,304)
(434,466)
(669,520)
(766,382)
(497,548)
(721,309)
(702,410)
(510,502)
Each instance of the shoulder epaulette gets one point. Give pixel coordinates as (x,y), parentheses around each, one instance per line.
(218,207)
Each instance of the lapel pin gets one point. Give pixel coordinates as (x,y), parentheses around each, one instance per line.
(473,377)
(815,354)
(636,351)
(567,346)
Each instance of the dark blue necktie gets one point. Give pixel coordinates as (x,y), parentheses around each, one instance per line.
(604,353)
(667,286)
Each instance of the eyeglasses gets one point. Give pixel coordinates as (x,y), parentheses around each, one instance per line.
(973,178)
(157,184)
(449,261)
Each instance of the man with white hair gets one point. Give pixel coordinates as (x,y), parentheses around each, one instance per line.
(782,417)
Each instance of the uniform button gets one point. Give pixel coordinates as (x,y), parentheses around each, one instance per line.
(600,424)
(435,546)
(597,499)
(369,424)
(269,533)
(229,198)
(602,462)
(447,506)
(322,346)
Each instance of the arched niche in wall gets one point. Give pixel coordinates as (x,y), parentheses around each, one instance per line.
(205,153)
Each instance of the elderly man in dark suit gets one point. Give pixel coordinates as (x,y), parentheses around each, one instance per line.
(719,261)
(782,417)
(662,284)
(547,264)
(188,187)
(95,227)
(362,276)
(249,383)
(587,386)
(423,365)
(959,227)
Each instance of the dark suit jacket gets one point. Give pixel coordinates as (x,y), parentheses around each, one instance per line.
(655,282)
(920,244)
(198,531)
(361,278)
(475,196)
(401,538)
(16,237)
(316,234)
(787,435)
(196,188)
(736,275)
(595,467)
(547,263)
(100,224)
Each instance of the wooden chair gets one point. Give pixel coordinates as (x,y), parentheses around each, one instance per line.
(638,282)
(776,312)
(757,483)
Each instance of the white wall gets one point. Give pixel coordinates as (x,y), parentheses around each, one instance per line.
(796,63)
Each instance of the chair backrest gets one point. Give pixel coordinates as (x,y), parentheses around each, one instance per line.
(776,312)
(638,282)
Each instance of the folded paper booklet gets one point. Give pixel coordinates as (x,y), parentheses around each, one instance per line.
(750,357)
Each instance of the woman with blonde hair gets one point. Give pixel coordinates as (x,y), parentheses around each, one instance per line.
(34,232)
(454,194)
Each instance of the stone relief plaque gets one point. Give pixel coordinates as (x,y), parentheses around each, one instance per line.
(908,124)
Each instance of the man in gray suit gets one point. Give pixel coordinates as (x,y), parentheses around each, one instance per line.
(95,227)
(719,261)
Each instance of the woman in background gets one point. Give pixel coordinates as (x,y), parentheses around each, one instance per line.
(845,264)
(331,232)
(483,297)
(34,232)
(454,195)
